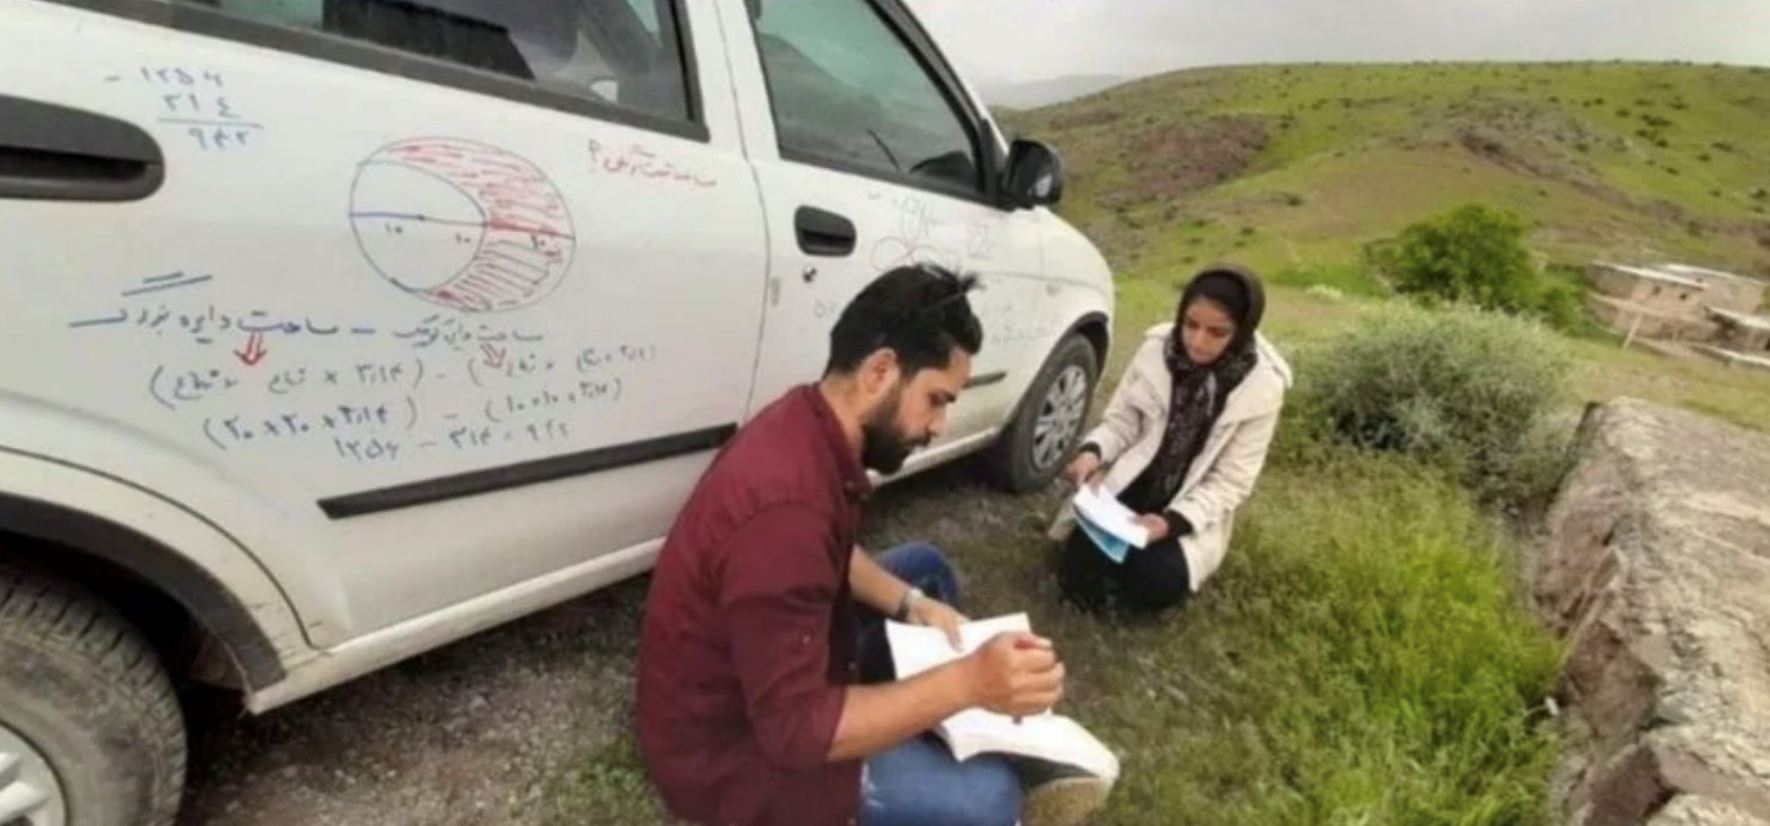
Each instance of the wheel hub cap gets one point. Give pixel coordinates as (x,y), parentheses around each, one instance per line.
(1060,417)
(30,795)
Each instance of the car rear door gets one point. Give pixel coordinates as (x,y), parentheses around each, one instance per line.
(433,298)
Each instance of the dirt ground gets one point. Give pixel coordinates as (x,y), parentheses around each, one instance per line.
(475,733)
(468,734)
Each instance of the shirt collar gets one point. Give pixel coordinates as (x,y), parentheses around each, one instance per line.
(855,483)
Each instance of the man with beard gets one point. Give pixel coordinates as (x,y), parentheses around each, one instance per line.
(766,696)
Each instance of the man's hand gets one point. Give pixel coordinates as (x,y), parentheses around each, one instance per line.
(1156,525)
(933,613)
(1016,674)
(1083,469)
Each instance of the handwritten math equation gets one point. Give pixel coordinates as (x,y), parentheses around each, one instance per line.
(439,384)
(199,101)
(382,411)
(206,324)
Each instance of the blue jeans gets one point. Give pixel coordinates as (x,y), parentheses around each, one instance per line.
(919,783)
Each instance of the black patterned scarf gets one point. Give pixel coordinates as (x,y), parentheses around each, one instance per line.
(1201,391)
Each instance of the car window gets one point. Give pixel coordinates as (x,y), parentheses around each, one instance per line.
(647,10)
(623,52)
(846,88)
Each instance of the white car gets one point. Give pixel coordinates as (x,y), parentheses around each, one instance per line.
(336,330)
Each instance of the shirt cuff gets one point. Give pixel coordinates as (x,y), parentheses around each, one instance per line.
(1090,447)
(1178,525)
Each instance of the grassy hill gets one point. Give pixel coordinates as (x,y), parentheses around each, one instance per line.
(1294,168)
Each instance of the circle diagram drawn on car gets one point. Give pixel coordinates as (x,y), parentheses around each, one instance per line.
(462,224)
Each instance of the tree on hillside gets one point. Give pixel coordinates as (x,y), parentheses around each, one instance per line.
(1473,254)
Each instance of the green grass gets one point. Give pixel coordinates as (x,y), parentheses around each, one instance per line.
(1359,660)
(1343,279)
(606,786)
(1738,395)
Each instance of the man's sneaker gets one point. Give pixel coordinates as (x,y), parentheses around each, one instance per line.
(1059,795)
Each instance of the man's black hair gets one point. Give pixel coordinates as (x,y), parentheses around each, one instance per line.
(918,311)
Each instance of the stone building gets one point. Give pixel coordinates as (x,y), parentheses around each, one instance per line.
(1678,302)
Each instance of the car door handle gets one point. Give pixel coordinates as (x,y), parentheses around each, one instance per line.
(823,233)
(56,153)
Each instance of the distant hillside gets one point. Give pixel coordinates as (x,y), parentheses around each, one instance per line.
(1046,92)
(1295,168)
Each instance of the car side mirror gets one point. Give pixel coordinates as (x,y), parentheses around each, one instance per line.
(1035,175)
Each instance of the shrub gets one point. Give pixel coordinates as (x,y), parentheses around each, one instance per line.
(1467,391)
(1472,254)
(1561,303)
(1476,255)
(1560,306)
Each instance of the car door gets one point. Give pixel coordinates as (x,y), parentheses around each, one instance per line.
(871,156)
(437,298)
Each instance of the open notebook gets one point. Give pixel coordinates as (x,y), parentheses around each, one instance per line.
(1112,526)
(1047,736)
(1099,506)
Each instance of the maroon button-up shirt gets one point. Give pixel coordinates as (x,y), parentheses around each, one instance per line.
(749,638)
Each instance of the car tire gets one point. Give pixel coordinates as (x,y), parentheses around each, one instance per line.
(91,733)
(1049,420)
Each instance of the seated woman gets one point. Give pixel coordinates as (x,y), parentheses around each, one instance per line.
(1181,443)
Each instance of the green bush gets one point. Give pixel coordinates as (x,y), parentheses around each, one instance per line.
(1559,305)
(1470,392)
(1472,254)
(1476,255)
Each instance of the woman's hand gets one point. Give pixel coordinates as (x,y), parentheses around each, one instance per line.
(1156,525)
(1083,469)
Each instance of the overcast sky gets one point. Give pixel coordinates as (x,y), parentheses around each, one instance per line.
(1011,41)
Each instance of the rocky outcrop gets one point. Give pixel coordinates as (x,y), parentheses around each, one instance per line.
(1657,572)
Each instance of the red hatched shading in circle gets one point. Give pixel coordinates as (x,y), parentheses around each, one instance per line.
(463,224)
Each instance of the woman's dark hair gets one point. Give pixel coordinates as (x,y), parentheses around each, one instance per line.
(918,311)
(1233,287)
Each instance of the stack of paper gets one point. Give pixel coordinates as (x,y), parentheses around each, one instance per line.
(1048,736)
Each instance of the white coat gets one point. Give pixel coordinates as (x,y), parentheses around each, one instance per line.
(1223,474)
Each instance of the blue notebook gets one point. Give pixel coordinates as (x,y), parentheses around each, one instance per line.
(1114,547)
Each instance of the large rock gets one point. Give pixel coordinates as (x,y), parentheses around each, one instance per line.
(1657,571)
